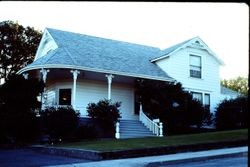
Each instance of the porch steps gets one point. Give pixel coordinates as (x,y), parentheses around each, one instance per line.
(133,129)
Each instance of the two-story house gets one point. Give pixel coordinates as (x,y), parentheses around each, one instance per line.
(79,69)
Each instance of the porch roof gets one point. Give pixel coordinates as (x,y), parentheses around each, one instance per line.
(89,53)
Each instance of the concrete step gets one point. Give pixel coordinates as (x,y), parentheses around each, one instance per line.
(133,129)
(125,136)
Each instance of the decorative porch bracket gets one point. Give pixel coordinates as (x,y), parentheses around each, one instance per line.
(44,74)
(26,75)
(109,77)
(75,74)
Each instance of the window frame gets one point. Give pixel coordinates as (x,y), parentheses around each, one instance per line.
(209,99)
(193,92)
(194,66)
(59,98)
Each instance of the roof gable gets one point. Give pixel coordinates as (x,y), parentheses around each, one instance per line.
(195,42)
(46,44)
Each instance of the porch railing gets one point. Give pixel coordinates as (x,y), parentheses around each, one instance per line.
(154,125)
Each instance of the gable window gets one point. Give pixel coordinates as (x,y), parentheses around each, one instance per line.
(195,66)
(197,96)
(207,101)
(64,96)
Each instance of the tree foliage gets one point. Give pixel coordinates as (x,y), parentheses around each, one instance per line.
(105,114)
(239,84)
(60,123)
(232,114)
(18,103)
(18,46)
(175,107)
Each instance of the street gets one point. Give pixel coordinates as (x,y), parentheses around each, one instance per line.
(28,158)
(221,162)
(233,157)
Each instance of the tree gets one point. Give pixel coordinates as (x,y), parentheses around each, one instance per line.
(175,107)
(232,114)
(18,46)
(18,104)
(239,84)
(104,114)
(60,122)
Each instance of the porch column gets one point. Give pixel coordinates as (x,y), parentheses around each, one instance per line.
(109,77)
(44,73)
(75,74)
(26,75)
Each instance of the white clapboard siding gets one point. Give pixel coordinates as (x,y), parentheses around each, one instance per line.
(51,97)
(177,66)
(92,91)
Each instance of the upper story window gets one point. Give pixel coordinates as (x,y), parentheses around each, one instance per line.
(195,66)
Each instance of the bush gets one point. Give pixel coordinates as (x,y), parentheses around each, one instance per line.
(18,103)
(232,114)
(104,114)
(172,105)
(198,114)
(60,123)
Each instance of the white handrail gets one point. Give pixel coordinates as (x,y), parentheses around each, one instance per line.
(154,126)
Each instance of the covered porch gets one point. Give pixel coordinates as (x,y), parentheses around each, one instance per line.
(78,88)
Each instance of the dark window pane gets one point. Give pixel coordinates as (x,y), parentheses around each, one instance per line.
(65,97)
(195,74)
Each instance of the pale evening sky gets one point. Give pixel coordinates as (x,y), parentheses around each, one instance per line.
(224,27)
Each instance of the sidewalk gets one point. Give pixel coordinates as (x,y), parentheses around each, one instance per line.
(172,158)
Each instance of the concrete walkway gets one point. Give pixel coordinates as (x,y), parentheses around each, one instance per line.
(172,158)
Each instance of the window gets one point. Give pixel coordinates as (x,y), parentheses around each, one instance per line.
(197,96)
(64,96)
(195,66)
(207,100)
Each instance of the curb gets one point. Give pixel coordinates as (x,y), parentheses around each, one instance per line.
(68,152)
(108,155)
(170,149)
(196,159)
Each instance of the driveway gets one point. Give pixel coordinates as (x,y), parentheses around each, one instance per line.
(28,158)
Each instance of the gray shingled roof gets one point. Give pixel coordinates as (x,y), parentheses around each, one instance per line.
(100,54)
(170,49)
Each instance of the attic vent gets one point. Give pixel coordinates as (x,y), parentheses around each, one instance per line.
(197,42)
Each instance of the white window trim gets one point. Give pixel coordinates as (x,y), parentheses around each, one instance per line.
(195,54)
(209,98)
(202,95)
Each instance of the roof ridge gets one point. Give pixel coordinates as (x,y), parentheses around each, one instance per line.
(170,49)
(104,38)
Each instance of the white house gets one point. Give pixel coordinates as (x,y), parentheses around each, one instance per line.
(79,69)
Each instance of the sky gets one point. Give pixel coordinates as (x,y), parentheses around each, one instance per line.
(224,27)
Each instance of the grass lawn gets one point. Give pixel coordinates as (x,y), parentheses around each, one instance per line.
(149,142)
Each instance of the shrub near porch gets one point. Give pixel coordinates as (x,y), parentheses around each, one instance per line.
(104,115)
